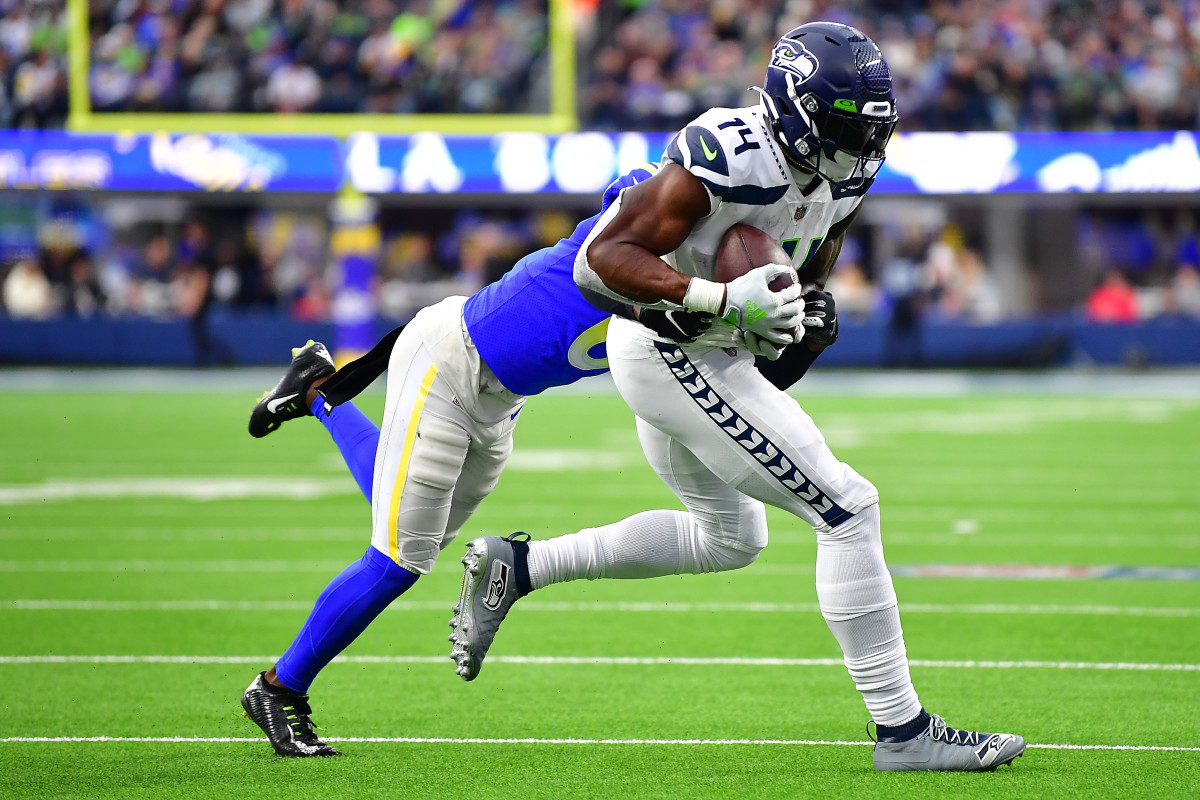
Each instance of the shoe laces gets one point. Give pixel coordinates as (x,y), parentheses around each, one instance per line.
(939,731)
(298,711)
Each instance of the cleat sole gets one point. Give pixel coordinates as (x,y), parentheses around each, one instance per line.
(460,622)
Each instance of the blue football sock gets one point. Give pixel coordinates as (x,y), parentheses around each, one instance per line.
(356,437)
(347,606)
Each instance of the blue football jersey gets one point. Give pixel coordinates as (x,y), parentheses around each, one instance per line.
(533,327)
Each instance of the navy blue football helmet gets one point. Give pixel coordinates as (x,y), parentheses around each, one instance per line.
(828,94)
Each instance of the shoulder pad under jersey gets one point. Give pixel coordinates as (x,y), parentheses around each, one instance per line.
(724,148)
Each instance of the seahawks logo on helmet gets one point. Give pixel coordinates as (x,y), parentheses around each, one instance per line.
(794,57)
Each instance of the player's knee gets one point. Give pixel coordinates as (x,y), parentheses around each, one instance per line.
(730,541)
(862,525)
(721,555)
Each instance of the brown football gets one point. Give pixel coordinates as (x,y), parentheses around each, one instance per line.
(745,247)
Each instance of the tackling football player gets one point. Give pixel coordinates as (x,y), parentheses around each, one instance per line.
(458,375)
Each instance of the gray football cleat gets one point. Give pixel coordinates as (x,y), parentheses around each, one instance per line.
(285,400)
(284,717)
(496,574)
(940,747)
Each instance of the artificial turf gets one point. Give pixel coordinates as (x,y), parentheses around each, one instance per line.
(108,553)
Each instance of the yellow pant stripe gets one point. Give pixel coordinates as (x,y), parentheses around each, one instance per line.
(409,438)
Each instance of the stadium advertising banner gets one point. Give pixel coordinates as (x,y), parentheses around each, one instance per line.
(166,162)
(918,163)
(575,163)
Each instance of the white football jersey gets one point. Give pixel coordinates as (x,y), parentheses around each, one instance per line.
(732,152)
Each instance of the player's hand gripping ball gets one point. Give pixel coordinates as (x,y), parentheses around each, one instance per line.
(745,248)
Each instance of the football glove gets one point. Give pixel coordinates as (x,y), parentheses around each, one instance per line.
(752,306)
(756,345)
(682,327)
(820,318)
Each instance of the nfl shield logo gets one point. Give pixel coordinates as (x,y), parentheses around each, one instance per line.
(800,212)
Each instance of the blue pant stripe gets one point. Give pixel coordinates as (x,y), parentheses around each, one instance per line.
(753,441)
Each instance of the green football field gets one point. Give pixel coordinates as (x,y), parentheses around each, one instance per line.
(1046,547)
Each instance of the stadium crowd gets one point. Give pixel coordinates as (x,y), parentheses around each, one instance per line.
(969,65)
(644,64)
(280,262)
(289,56)
(273,261)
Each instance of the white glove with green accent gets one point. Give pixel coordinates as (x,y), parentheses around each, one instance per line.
(749,303)
(756,345)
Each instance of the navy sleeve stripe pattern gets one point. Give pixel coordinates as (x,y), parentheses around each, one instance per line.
(746,194)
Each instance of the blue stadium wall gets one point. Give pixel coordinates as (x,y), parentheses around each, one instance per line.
(267,340)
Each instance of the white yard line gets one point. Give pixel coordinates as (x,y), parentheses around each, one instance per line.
(611,661)
(627,742)
(186,488)
(602,607)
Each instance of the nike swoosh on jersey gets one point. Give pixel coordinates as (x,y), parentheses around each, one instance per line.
(709,154)
(273,405)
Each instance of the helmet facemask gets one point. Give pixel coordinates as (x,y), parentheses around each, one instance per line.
(837,143)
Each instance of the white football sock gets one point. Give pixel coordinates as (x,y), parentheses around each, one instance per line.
(646,545)
(858,602)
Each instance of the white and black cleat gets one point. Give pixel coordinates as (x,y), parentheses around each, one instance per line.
(284,717)
(495,575)
(942,748)
(286,400)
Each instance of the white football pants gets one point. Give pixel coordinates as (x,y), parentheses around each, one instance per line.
(719,435)
(447,432)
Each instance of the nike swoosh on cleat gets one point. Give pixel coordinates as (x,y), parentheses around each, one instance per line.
(273,405)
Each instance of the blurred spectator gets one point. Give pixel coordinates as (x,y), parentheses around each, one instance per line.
(152,290)
(959,285)
(216,89)
(1114,300)
(27,291)
(82,295)
(313,301)
(1185,291)
(33,59)
(979,298)
(37,91)
(853,293)
(293,87)
(905,288)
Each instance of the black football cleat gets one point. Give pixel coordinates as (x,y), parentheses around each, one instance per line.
(284,717)
(286,400)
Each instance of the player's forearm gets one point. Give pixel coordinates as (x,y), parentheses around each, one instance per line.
(634,273)
(646,221)
(790,367)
